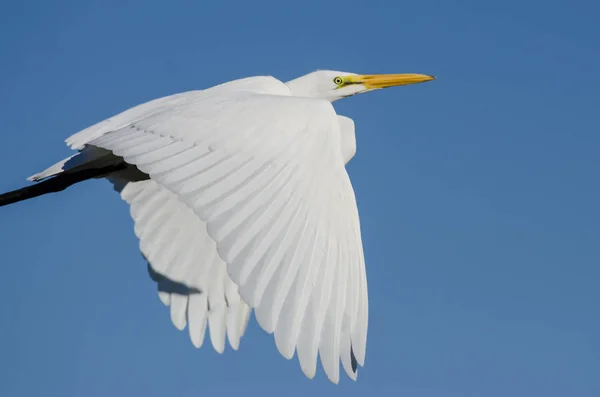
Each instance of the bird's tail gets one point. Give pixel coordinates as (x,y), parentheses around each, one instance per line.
(88,164)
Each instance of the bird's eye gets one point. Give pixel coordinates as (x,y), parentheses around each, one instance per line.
(338,81)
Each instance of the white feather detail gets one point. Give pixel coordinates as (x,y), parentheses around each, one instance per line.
(175,243)
(266,173)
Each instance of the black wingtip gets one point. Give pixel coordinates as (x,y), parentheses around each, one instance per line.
(353,361)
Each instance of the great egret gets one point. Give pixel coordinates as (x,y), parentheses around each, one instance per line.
(240,196)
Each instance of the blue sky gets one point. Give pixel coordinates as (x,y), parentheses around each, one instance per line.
(478,194)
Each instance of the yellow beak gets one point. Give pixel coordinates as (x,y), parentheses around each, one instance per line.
(375,81)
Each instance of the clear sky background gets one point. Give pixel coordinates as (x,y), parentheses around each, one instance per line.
(479,194)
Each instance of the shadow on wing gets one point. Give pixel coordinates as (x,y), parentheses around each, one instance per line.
(167,285)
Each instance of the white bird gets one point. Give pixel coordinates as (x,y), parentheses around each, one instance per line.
(241,200)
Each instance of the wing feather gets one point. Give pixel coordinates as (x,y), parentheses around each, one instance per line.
(191,277)
(197,317)
(266,175)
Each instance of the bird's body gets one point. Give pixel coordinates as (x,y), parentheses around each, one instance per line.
(241,202)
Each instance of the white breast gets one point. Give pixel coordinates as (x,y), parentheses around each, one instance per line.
(348,143)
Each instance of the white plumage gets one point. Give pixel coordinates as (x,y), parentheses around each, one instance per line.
(241,200)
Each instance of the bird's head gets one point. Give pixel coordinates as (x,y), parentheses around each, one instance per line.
(332,85)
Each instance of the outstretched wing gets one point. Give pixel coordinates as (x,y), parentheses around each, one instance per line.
(266,174)
(183,261)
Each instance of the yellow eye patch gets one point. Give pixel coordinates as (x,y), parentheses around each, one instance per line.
(338,81)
